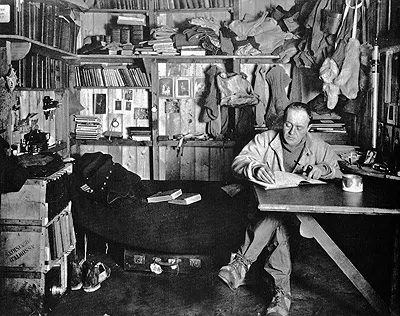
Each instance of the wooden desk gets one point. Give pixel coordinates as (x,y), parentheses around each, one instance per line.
(380,197)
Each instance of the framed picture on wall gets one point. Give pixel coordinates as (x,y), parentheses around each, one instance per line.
(118,105)
(99,103)
(391,114)
(182,88)
(166,87)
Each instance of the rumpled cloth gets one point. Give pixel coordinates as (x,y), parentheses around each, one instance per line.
(212,114)
(278,80)
(236,90)
(261,88)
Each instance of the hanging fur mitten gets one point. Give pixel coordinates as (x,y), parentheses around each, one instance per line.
(332,92)
(329,70)
(347,80)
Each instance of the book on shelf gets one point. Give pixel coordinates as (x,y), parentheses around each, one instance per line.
(164,196)
(287,180)
(132,19)
(193,51)
(186,199)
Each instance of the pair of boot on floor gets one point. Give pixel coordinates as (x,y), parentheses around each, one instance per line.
(234,275)
(88,275)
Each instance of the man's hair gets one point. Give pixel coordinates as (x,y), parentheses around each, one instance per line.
(297,106)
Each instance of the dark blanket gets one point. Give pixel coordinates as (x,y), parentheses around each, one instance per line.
(214,224)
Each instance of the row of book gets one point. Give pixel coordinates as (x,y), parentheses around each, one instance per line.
(99,76)
(87,127)
(122,4)
(50,23)
(192,4)
(61,235)
(329,123)
(41,72)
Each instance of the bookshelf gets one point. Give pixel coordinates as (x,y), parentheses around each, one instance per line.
(388,129)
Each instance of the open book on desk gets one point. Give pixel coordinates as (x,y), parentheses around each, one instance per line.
(287,180)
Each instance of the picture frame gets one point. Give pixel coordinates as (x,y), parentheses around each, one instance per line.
(199,87)
(391,114)
(128,106)
(118,105)
(166,87)
(99,103)
(388,76)
(182,88)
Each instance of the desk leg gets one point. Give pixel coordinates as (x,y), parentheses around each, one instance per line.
(311,228)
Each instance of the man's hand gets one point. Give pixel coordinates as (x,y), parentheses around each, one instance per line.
(316,172)
(264,174)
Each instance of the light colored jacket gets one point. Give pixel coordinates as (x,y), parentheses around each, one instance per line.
(266,149)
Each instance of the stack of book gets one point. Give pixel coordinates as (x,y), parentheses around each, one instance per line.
(87,127)
(139,133)
(194,50)
(327,126)
(163,46)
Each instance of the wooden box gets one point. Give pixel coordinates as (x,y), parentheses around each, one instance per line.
(37,202)
(36,237)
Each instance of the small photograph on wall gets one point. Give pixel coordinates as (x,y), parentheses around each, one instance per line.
(141,114)
(391,114)
(128,106)
(99,103)
(199,87)
(173,69)
(166,87)
(182,88)
(118,105)
(128,95)
(396,143)
(379,136)
(172,106)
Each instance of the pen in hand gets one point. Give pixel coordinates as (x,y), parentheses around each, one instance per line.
(305,170)
(264,173)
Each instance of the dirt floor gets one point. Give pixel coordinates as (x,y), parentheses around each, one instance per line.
(318,286)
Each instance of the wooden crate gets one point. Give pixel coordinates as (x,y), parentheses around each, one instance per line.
(34,247)
(36,237)
(35,292)
(30,205)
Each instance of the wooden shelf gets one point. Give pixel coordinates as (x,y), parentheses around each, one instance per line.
(231,9)
(112,142)
(101,87)
(37,47)
(199,143)
(118,11)
(102,58)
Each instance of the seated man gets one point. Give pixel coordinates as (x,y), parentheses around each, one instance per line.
(292,149)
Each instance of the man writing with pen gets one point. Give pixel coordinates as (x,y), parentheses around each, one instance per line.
(292,149)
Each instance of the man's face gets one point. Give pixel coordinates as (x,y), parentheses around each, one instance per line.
(295,126)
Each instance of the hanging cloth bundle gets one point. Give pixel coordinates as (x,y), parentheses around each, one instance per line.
(345,81)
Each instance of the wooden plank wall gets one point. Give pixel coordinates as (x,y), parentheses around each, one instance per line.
(31,101)
(206,162)
(134,158)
